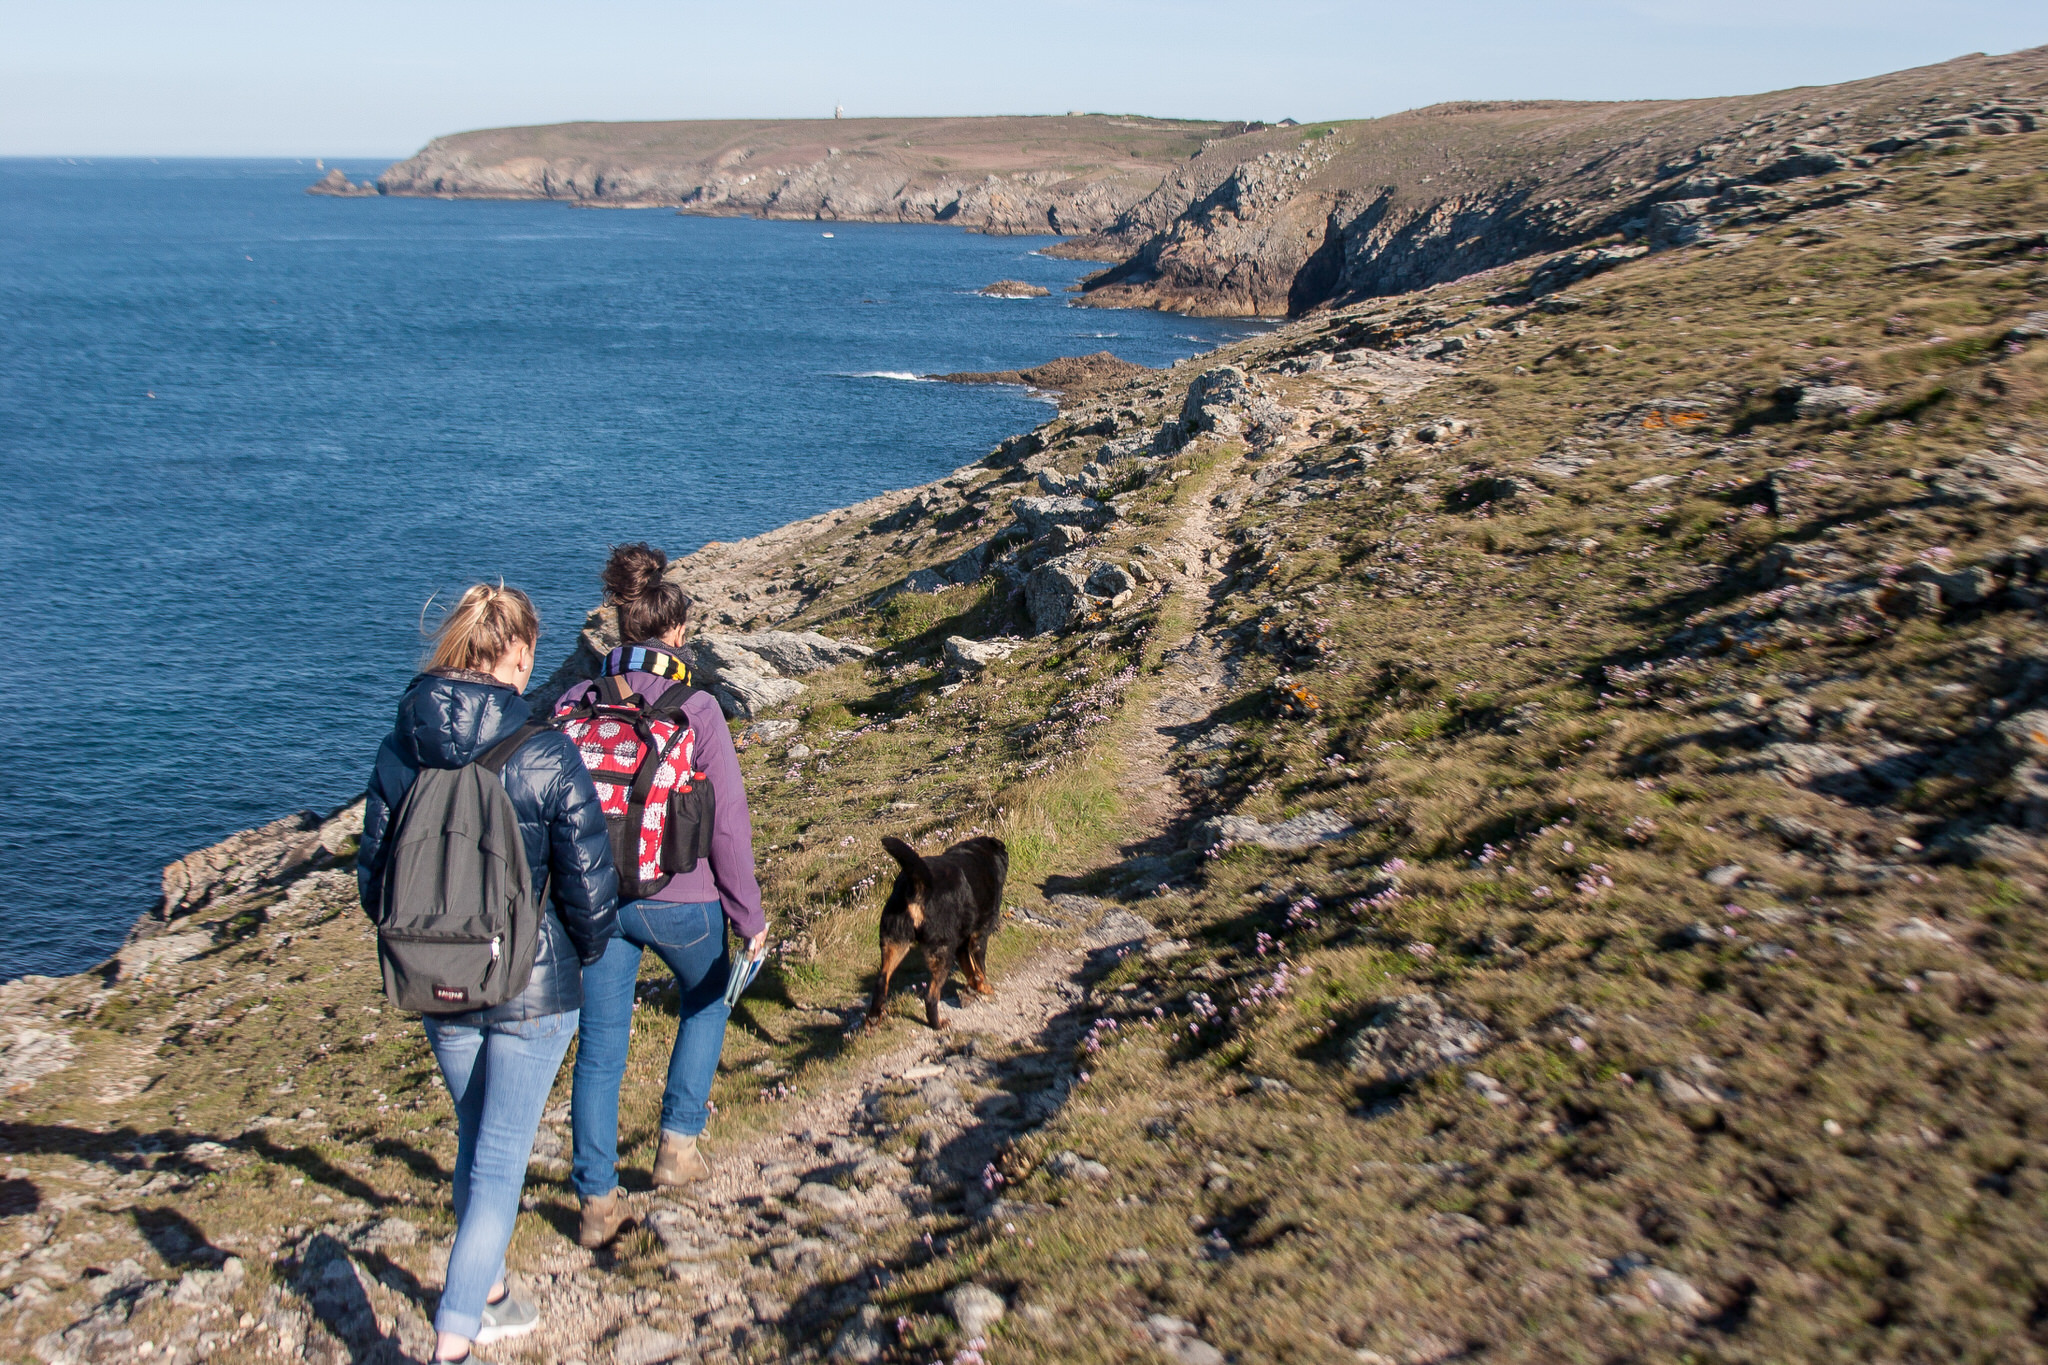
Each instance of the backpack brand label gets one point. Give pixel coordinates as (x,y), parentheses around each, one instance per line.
(454,995)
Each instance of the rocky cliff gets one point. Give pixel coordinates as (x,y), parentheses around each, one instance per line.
(1245,219)
(1068,174)
(1284,220)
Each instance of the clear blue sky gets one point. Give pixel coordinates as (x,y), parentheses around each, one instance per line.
(373,79)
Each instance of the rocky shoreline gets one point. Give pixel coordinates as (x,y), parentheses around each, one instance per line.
(998,175)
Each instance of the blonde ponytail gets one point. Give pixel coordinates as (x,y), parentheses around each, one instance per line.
(481,628)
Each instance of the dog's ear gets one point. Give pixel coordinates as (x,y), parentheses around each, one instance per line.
(920,876)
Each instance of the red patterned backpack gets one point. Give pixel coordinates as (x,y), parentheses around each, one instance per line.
(642,754)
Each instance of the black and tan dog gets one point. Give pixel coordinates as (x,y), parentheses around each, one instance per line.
(950,905)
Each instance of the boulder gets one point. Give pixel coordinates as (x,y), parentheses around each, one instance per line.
(1573,266)
(968,566)
(1991,479)
(1039,515)
(1290,835)
(864,1338)
(1112,582)
(1014,289)
(138,957)
(725,654)
(1960,586)
(1409,1037)
(826,1199)
(796,653)
(744,683)
(1834,400)
(1677,222)
(1213,402)
(975,1307)
(1056,593)
(1074,1166)
(1225,402)
(1801,162)
(971,656)
(916,581)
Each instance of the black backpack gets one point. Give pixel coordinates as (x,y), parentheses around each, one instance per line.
(658,808)
(457,919)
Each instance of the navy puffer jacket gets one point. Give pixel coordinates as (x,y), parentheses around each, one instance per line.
(446,721)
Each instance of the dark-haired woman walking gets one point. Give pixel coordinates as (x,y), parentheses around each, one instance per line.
(499,1063)
(684,922)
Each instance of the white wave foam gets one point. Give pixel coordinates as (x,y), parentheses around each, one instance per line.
(903,375)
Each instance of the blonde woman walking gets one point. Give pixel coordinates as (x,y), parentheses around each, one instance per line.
(499,1062)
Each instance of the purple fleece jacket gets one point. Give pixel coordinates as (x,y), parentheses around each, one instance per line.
(728,876)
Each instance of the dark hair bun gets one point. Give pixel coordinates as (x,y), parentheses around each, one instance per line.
(633,573)
(650,606)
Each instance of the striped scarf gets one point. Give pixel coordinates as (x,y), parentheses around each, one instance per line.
(641,659)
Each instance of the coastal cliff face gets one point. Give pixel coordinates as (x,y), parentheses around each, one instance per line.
(1002,175)
(1528,810)
(1249,220)
(1277,222)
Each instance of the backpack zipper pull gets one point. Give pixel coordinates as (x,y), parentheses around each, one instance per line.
(494,947)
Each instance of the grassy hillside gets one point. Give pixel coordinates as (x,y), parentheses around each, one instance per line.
(1285,220)
(1544,863)
(1072,173)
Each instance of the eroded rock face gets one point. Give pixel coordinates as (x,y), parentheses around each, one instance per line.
(1278,223)
(1409,1037)
(745,684)
(249,860)
(989,175)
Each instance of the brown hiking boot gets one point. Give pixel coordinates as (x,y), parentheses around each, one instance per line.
(603,1216)
(679,1162)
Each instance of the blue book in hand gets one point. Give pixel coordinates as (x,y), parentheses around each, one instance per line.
(740,977)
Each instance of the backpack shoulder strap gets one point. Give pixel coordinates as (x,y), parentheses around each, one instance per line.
(494,759)
(613,688)
(670,702)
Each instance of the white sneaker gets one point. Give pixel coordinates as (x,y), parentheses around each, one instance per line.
(509,1317)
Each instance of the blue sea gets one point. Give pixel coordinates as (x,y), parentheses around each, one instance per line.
(246,432)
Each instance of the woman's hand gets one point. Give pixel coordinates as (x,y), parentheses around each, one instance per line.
(757,945)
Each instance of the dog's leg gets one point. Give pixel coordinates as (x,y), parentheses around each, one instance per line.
(977,952)
(892,958)
(968,965)
(939,961)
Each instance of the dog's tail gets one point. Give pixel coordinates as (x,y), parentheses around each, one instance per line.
(920,875)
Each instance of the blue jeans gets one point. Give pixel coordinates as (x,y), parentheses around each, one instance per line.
(499,1076)
(690,938)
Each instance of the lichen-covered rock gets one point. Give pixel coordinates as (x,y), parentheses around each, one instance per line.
(1056,593)
(1038,515)
(1409,1037)
(1112,582)
(971,656)
(796,653)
